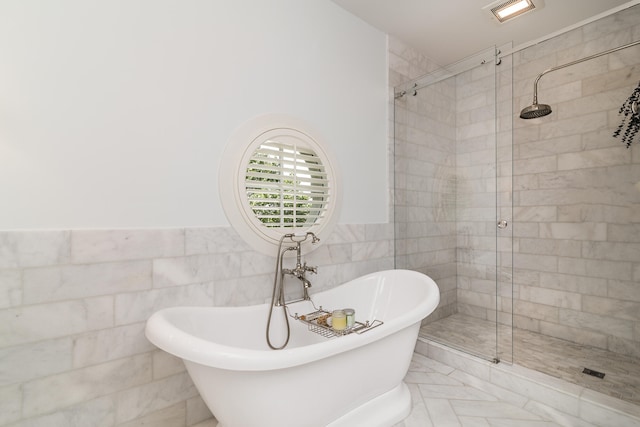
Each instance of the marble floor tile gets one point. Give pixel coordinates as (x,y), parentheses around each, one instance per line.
(474,422)
(552,356)
(441,412)
(505,422)
(488,409)
(453,403)
(449,392)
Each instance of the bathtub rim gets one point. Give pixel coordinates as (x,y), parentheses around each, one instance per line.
(165,335)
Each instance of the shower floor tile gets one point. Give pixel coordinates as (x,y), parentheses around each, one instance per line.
(559,358)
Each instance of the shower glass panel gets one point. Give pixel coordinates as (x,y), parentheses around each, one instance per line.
(452,187)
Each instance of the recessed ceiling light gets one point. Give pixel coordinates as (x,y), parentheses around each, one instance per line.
(504,10)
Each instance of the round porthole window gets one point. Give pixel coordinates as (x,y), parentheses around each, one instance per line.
(276,178)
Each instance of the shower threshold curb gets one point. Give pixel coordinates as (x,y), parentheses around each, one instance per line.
(556,400)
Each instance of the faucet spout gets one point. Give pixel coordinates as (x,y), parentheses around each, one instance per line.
(306,283)
(305,290)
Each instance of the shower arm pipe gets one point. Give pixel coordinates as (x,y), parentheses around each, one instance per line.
(577,61)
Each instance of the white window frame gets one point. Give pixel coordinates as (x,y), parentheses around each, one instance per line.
(274,129)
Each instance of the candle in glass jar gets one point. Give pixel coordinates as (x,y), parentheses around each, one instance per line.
(351,317)
(339,320)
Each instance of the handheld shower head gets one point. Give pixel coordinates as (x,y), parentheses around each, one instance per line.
(534,111)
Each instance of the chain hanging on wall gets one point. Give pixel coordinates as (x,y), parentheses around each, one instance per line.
(631,111)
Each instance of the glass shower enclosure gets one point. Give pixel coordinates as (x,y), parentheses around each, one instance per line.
(452,199)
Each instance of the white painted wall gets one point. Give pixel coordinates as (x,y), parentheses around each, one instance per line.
(114,114)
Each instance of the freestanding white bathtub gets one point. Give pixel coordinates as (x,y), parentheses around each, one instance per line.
(351,380)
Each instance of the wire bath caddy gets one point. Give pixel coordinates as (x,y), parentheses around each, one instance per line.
(318,322)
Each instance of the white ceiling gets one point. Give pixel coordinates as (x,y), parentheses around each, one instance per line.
(449,30)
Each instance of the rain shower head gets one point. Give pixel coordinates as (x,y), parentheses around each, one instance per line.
(534,111)
(540,110)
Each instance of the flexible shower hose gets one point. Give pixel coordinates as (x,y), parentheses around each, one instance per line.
(273,296)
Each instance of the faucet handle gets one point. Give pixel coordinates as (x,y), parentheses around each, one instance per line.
(310,269)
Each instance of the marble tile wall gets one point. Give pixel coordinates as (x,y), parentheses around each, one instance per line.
(424,155)
(73,306)
(576,197)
